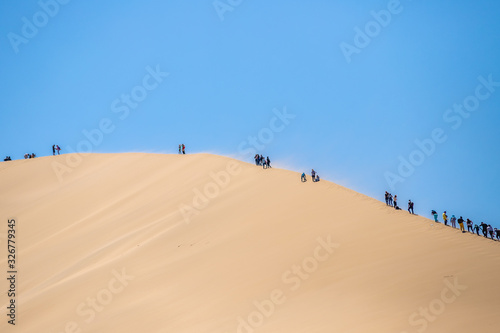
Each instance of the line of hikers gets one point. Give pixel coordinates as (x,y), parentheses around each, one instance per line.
(486,229)
(314,176)
(260,160)
(182,149)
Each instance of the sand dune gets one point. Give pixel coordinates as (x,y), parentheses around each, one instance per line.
(203,243)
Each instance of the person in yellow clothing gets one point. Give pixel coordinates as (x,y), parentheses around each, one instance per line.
(445,218)
(461,223)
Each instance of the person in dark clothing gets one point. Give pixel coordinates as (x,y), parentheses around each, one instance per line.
(303,177)
(484,229)
(183,149)
(387,198)
(497,231)
(313,174)
(476,229)
(410,207)
(53,150)
(268,162)
(256,158)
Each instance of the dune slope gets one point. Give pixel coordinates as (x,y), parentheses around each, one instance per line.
(203,243)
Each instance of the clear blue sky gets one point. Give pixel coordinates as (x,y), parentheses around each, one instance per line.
(359,100)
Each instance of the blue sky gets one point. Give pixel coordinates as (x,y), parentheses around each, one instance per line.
(356,114)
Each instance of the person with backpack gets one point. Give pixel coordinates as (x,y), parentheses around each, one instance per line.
(435,214)
(461,224)
(453,221)
(445,218)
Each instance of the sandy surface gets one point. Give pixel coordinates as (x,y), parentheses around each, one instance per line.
(152,243)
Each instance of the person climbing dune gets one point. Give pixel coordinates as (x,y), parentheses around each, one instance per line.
(435,214)
(461,224)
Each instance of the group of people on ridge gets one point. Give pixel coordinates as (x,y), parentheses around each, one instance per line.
(26,156)
(392,201)
(182,149)
(314,176)
(260,160)
(486,229)
(56,148)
